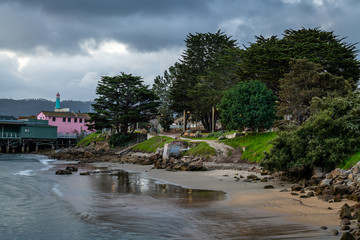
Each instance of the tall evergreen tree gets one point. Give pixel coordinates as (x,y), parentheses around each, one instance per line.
(123,101)
(268,58)
(202,50)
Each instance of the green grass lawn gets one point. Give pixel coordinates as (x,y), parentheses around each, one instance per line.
(256,144)
(86,141)
(152,144)
(201,149)
(351,161)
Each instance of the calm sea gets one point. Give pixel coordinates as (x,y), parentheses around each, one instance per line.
(37,204)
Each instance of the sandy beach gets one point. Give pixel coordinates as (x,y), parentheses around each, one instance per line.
(248,194)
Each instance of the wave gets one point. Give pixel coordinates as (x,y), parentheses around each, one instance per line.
(25,173)
(57,191)
(47,164)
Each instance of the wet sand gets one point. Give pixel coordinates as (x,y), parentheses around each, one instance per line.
(247,194)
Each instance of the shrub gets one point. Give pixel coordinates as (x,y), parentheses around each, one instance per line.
(120,139)
(325,140)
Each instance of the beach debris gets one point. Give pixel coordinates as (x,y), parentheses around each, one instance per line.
(268,187)
(323,227)
(85,173)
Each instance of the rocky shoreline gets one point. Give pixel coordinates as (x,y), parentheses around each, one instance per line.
(335,186)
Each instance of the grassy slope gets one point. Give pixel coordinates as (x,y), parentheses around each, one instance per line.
(152,144)
(201,149)
(90,138)
(347,164)
(255,145)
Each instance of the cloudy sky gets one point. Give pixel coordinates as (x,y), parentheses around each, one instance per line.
(50,46)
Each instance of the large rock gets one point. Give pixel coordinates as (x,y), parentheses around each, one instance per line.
(296,187)
(336,172)
(72,168)
(196,166)
(325,182)
(347,236)
(341,189)
(175,149)
(345,211)
(63,172)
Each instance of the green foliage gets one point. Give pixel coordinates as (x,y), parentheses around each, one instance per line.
(325,140)
(255,144)
(93,137)
(120,139)
(161,88)
(216,134)
(152,144)
(268,58)
(305,81)
(350,162)
(201,149)
(189,88)
(123,101)
(248,104)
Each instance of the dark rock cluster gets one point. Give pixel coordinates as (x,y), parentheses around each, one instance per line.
(336,186)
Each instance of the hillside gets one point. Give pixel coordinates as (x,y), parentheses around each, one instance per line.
(27,107)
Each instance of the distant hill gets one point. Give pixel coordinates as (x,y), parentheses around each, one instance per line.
(28,107)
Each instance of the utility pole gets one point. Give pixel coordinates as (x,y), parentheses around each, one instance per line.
(213,120)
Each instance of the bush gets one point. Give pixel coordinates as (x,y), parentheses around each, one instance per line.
(325,140)
(248,105)
(120,139)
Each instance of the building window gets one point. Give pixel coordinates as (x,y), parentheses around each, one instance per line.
(80,120)
(69,119)
(64,119)
(75,119)
(54,119)
(27,130)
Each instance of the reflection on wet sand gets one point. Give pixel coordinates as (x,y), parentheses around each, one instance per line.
(142,208)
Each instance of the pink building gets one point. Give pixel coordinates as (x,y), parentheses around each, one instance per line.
(70,124)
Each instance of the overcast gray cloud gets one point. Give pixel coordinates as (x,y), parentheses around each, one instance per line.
(48,46)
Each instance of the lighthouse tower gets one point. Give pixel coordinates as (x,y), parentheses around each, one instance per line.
(57,104)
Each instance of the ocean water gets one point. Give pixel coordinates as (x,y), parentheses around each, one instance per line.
(37,204)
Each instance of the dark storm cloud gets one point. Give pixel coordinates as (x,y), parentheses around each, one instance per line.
(51,45)
(145,25)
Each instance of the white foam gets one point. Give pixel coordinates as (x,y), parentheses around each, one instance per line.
(56,190)
(25,173)
(46,162)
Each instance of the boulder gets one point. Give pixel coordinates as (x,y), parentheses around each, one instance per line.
(334,232)
(341,189)
(196,166)
(344,228)
(63,172)
(345,211)
(252,177)
(296,187)
(72,169)
(85,173)
(325,182)
(345,221)
(335,173)
(268,187)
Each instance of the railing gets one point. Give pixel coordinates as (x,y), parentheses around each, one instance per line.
(9,135)
(67,135)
